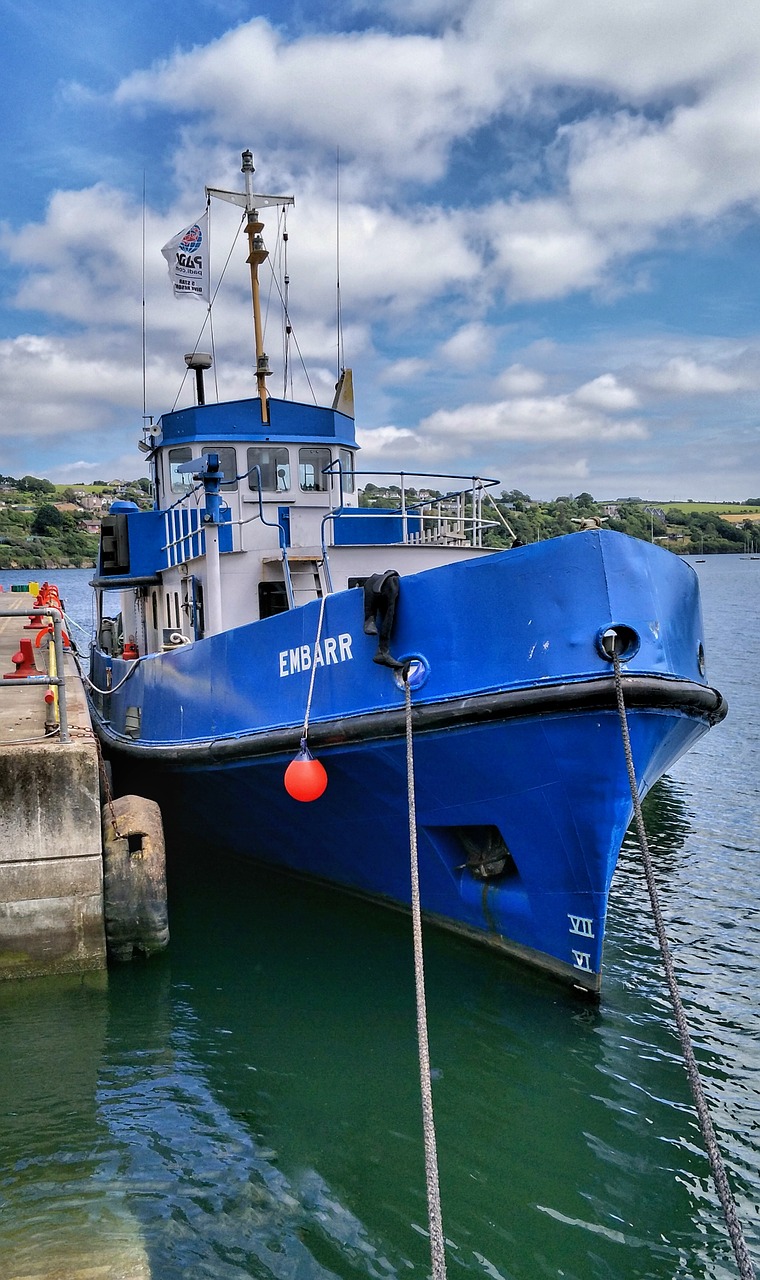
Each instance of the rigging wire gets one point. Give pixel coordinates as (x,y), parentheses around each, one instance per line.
(208,320)
(210,312)
(295,340)
(269,294)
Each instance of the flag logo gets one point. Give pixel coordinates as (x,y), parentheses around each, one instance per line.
(192,239)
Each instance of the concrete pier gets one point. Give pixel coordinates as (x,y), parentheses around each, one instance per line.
(51,870)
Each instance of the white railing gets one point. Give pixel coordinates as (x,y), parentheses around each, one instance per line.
(426,515)
(184,535)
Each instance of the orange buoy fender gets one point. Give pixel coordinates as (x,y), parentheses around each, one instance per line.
(134,878)
(305,778)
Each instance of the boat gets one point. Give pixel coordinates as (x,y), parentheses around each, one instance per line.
(264,614)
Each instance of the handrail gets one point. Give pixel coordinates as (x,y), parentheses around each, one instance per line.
(54,613)
(281,533)
(466,529)
(487,482)
(469,527)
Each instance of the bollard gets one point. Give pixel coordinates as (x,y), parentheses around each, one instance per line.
(24,663)
(36,620)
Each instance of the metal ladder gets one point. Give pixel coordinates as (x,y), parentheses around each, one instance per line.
(304,579)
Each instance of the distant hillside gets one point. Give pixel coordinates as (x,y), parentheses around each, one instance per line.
(49,526)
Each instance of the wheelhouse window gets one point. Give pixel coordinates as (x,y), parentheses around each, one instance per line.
(346,458)
(227,462)
(311,464)
(180,481)
(274,465)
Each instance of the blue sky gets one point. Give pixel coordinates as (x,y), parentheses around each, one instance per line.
(549,229)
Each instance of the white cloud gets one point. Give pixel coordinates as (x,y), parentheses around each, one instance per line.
(383,440)
(681,140)
(469,346)
(43,378)
(530,418)
(605,392)
(638,50)
(383,88)
(541,250)
(518,380)
(404,371)
(633,172)
(684,376)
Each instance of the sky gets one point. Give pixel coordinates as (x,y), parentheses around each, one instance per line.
(544,219)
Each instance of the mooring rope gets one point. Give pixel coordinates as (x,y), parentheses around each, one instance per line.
(305,733)
(437,1242)
(746,1268)
(107,692)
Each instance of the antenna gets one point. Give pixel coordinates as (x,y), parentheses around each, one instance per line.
(286,291)
(339,315)
(144,365)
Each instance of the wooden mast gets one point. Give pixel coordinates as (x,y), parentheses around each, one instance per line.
(257,253)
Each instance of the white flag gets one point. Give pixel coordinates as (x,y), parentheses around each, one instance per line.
(187,257)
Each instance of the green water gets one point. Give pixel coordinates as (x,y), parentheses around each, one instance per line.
(248,1104)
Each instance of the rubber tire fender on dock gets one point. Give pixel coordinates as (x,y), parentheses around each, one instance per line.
(134,878)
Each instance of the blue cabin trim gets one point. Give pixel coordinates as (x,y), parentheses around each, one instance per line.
(370,526)
(240,420)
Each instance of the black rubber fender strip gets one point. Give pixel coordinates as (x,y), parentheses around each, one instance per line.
(656,693)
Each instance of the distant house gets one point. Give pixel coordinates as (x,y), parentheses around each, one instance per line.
(657,512)
(91,501)
(91,526)
(611,510)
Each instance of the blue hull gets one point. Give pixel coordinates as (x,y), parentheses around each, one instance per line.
(521,786)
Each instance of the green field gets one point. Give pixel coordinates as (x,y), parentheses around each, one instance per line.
(708,508)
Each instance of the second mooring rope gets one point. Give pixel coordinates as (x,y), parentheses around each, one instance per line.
(746,1269)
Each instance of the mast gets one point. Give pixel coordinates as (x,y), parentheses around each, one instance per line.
(257,253)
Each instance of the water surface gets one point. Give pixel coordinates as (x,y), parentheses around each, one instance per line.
(248,1104)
